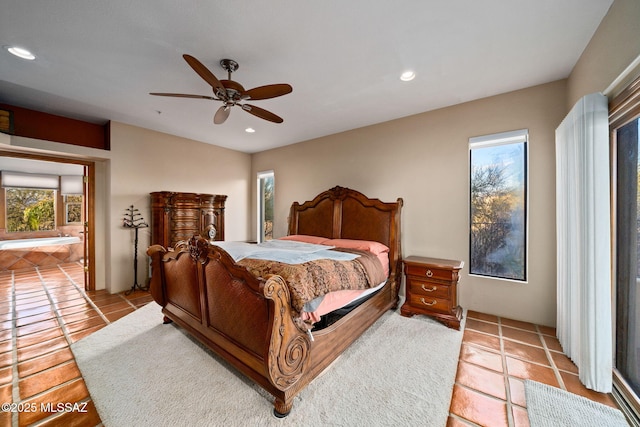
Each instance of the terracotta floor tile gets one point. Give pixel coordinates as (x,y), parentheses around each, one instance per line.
(530,338)
(6,359)
(478,408)
(526,352)
(75,309)
(552,343)
(520,417)
(115,315)
(82,315)
(77,336)
(75,391)
(526,370)
(36,327)
(482,316)
(81,300)
(573,385)
(518,324)
(481,357)
(563,362)
(36,350)
(484,380)
(6,375)
(516,391)
(47,361)
(121,305)
(484,340)
(85,324)
(481,326)
(38,337)
(34,319)
(5,346)
(107,299)
(47,379)
(547,330)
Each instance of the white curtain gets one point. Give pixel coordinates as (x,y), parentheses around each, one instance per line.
(583,241)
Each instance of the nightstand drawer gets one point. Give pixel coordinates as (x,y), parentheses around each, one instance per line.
(429,272)
(421,302)
(428,289)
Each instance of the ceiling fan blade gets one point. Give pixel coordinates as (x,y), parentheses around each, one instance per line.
(262,113)
(183,95)
(207,75)
(268,91)
(221,115)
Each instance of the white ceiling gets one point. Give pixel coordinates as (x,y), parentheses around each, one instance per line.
(98,60)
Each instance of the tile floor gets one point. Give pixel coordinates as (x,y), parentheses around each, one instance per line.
(496,356)
(43,311)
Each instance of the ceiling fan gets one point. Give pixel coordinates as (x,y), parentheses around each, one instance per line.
(232,93)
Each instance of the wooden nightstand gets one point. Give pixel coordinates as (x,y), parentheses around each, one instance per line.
(431,289)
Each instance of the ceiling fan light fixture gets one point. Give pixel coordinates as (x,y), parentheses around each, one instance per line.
(407,76)
(20,52)
(250,130)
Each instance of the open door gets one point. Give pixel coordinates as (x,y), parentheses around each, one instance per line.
(88,222)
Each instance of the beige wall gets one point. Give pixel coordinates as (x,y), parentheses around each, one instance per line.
(614,46)
(424,160)
(141,161)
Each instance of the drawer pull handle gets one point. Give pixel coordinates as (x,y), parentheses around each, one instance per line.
(428,303)
(433,288)
(429,273)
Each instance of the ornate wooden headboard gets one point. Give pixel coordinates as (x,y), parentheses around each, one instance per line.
(343,213)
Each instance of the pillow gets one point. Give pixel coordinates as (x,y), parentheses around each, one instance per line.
(377,248)
(317,240)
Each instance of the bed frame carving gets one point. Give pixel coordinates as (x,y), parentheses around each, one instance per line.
(249,321)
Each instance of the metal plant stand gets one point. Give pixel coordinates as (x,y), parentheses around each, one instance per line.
(133,219)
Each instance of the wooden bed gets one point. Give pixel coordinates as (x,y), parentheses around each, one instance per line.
(249,321)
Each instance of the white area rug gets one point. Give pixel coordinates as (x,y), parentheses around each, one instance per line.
(553,407)
(143,373)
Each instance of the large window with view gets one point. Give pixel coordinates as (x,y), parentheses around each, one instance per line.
(30,209)
(265,205)
(498,205)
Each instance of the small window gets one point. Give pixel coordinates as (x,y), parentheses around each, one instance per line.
(498,205)
(265,205)
(73,209)
(30,209)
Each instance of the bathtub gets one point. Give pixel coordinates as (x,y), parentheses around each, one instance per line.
(34,243)
(43,252)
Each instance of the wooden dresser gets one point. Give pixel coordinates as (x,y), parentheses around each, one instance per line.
(178,216)
(431,289)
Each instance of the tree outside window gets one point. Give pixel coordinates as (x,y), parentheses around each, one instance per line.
(30,209)
(498,207)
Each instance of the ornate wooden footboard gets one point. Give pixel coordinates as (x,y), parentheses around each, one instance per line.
(249,321)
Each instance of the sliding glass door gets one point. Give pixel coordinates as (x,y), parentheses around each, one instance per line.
(625,127)
(627,357)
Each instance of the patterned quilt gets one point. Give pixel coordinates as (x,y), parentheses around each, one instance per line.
(312,279)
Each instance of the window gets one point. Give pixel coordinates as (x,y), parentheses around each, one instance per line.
(30,209)
(73,209)
(624,116)
(265,206)
(498,205)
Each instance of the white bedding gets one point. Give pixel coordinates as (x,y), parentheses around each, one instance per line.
(286,251)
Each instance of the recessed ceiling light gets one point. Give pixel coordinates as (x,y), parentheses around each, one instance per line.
(250,130)
(20,52)
(407,76)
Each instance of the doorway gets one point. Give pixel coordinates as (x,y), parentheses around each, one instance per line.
(74,216)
